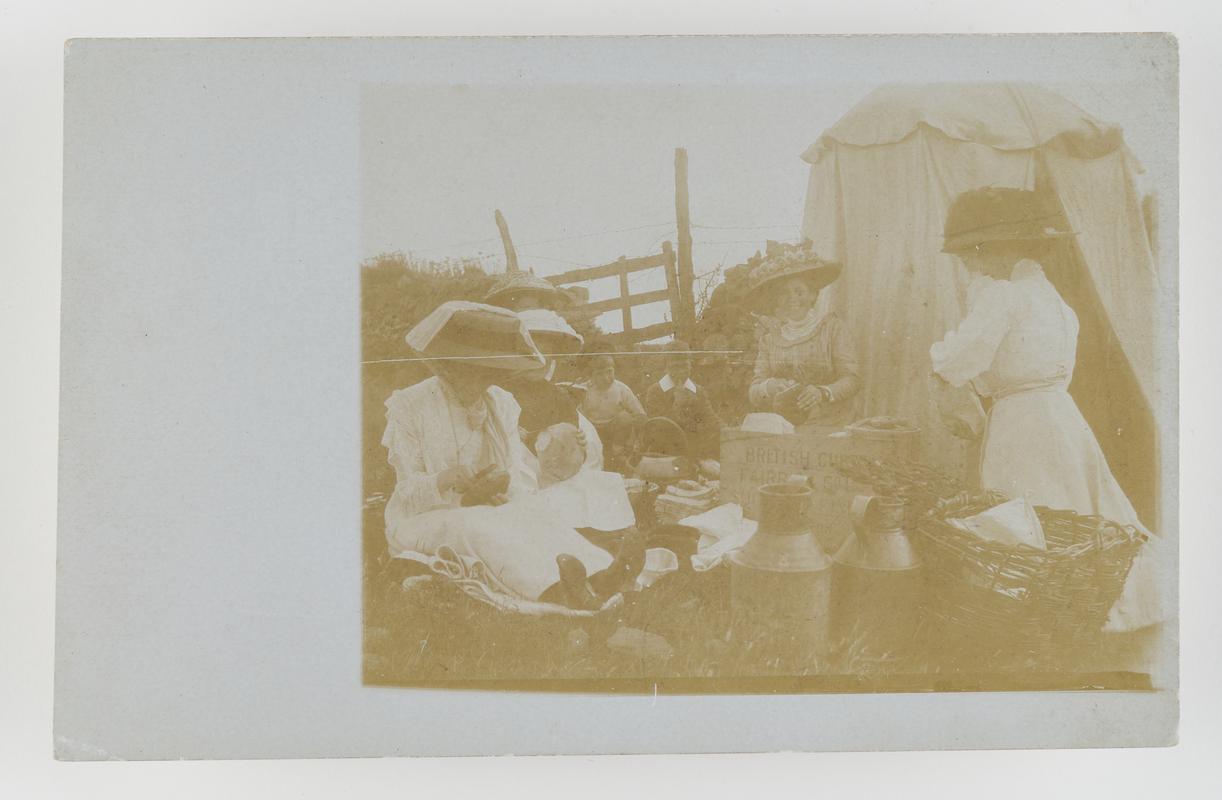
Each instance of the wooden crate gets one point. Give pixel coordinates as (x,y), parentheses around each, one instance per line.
(750,460)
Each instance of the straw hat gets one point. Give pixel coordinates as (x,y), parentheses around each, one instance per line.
(478,335)
(514,284)
(781,261)
(996,214)
(550,332)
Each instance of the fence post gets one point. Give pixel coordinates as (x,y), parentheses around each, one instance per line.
(687,321)
(626,309)
(511,255)
(672,284)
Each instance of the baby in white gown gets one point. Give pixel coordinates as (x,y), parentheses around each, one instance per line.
(518,542)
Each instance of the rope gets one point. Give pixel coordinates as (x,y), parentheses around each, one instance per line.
(550,355)
(744,227)
(544,241)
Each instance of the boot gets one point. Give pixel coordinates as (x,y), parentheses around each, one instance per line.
(623,572)
(577,589)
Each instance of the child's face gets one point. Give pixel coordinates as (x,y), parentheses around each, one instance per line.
(560,453)
(679,369)
(604,376)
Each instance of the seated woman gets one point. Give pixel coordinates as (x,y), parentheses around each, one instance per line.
(453,442)
(807,368)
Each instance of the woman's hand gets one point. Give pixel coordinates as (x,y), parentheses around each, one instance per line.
(775,386)
(811,397)
(490,486)
(455,478)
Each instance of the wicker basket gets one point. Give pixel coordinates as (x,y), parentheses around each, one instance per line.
(919,486)
(1017,597)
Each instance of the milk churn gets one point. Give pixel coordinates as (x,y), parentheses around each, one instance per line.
(878,580)
(781,580)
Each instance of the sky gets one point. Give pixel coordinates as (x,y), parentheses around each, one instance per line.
(585,173)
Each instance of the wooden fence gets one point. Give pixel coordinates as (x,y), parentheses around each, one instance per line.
(682,311)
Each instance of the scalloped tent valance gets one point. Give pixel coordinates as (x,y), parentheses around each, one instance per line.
(1004,116)
(881,181)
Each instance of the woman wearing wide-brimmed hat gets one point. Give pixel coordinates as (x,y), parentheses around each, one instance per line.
(465,491)
(1016,348)
(807,367)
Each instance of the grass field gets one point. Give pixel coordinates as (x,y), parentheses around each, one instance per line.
(676,634)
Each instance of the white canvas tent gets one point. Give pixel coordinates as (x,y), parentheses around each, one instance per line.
(881,180)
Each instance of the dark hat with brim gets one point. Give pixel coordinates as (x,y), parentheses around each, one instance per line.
(788,261)
(476,335)
(515,284)
(996,214)
(664,436)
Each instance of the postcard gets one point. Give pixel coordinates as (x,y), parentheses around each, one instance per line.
(605,395)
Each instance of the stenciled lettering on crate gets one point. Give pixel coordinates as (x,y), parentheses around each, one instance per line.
(753,460)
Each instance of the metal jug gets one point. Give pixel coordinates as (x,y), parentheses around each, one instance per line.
(878,540)
(780,580)
(878,580)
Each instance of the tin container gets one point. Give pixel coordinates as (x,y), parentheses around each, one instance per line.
(781,580)
(879,580)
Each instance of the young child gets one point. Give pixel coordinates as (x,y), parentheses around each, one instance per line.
(611,406)
(677,397)
(560,452)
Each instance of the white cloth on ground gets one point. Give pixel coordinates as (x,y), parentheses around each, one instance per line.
(470,577)
(722,531)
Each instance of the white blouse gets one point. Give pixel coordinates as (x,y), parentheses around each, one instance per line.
(429,431)
(1018,334)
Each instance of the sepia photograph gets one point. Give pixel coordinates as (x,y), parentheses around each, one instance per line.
(546,395)
(814,386)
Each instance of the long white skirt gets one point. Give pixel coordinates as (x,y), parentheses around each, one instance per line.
(1038,446)
(514,546)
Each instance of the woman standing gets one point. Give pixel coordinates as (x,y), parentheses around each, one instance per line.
(807,368)
(1017,348)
